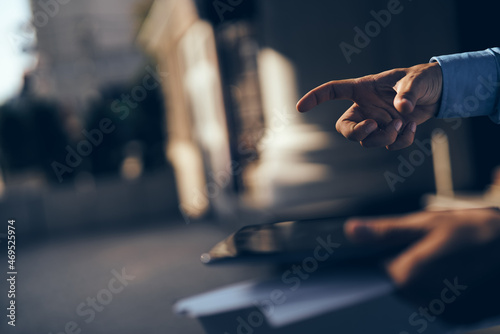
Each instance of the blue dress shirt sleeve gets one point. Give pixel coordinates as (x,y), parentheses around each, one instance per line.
(471,84)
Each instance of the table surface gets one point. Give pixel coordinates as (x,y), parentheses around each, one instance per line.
(56,276)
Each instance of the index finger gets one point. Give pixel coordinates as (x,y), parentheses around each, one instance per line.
(333,90)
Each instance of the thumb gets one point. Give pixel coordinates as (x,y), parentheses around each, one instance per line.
(418,260)
(409,90)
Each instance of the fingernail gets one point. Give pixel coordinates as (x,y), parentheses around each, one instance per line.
(371,127)
(398,124)
(413,127)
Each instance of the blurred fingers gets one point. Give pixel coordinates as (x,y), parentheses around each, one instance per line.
(392,230)
(418,262)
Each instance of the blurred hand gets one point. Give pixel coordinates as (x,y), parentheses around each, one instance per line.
(462,245)
(387,106)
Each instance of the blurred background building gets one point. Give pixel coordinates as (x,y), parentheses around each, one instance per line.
(87,70)
(88,41)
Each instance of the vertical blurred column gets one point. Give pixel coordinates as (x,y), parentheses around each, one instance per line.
(214,106)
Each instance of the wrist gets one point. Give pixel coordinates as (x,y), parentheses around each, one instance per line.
(436,84)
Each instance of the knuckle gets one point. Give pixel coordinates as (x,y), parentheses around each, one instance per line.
(338,126)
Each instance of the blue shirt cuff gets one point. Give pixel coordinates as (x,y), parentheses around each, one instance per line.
(470,84)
